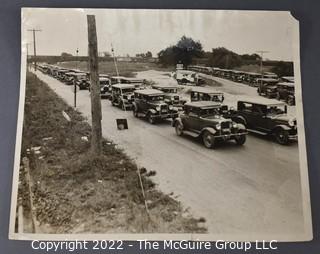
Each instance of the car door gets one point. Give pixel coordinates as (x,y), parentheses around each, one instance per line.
(260,118)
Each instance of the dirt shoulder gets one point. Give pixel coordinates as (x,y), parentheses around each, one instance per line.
(76,192)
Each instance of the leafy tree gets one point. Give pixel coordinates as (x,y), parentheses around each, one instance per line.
(148,54)
(224,58)
(183,52)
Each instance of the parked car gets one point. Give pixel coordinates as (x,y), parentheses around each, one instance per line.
(80,79)
(68,78)
(289,79)
(150,104)
(285,91)
(171,96)
(203,119)
(122,95)
(266,117)
(267,87)
(105,87)
(185,77)
(206,94)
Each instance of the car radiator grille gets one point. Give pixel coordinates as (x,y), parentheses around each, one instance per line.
(164,108)
(225,125)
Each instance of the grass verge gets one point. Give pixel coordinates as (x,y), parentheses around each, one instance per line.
(76,192)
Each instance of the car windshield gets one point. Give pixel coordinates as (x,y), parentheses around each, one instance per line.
(156,98)
(104,82)
(210,112)
(127,90)
(168,90)
(216,97)
(276,110)
(81,76)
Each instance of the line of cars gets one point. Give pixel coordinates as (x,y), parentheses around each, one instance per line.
(268,84)
(205,116)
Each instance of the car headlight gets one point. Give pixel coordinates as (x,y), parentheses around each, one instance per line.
(234,125)
(170,107)
(158,108)
(218,126)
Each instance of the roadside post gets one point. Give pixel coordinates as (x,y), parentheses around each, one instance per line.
(95,87)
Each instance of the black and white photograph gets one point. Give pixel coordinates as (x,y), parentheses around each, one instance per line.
(160,124)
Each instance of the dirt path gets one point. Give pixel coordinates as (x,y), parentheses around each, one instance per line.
(247,190)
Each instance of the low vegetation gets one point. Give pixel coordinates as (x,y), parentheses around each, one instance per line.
(77,192)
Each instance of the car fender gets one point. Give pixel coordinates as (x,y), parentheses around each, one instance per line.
(281,127)
(152,111)
(241,126)
(177,120)
(243,119)
(209,129)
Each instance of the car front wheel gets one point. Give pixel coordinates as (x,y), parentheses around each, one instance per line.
(282,137)
(240,140)
(135,112)
(151,119)
(208,140)
(179,129)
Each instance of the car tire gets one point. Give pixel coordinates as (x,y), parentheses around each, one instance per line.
(290,101)
(282,137)
(151,119)
(240,140)
(208,140)
(179,129)
(135,112)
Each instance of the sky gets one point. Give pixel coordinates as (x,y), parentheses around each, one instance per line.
(133,31)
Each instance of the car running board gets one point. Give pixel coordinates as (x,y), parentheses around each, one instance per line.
(258,132)
(190,133)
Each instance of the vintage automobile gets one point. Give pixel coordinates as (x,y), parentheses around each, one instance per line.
(105,86)
(266,117)
(285,91)
(289,79)
(267,87)
(125,80)
(171,96)
(80,79)
(122,95)
(185,77)
(68,78)
(206,94)
(150,104)
(203,119)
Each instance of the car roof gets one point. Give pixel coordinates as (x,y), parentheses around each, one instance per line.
(79,73)
(203,104)
(263,101)
(286,84)
(149,92)
(164,86)
(103,79)
(267,79)
(122,86)
(205,90)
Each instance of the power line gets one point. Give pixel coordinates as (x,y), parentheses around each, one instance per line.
(34,46)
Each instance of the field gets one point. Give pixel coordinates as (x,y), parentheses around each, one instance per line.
(78,192)
(126,69)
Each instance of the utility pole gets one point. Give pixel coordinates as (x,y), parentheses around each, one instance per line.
(95,87)
(75,85)
(34,46)
(115,62)
(261,52)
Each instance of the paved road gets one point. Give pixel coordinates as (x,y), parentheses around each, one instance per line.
(249,190)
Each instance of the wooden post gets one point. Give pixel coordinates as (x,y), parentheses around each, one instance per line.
(95,87)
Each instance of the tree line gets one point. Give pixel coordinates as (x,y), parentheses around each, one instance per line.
(188,51)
